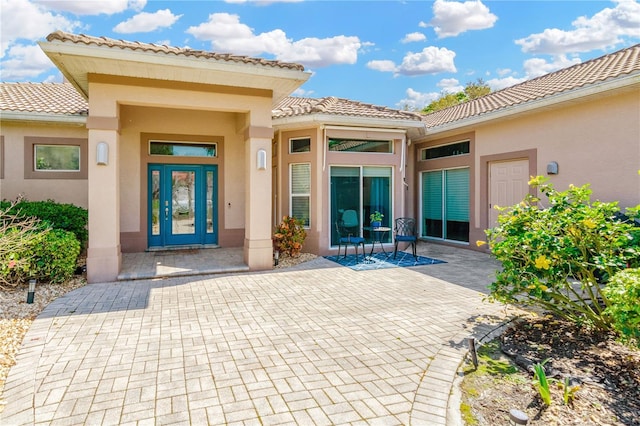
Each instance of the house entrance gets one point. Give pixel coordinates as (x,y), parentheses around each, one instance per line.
(182,205)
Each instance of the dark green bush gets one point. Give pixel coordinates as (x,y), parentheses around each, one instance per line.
(623,292)
(60,216)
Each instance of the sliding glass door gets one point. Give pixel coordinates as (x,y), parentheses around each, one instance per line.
(445,204)
(363,190)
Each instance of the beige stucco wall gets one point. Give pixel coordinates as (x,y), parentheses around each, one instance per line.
(596,142)
(318,239)
(72,191)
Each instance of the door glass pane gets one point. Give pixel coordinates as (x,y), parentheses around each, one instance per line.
(209,202)
(432,204)
(183,202)
(155,202)
(376,196)
(345,196)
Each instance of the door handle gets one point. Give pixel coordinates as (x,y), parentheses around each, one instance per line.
(166,213)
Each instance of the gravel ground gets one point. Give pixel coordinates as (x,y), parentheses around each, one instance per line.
(16,315)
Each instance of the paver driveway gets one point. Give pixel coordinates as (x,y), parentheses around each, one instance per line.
(316,345)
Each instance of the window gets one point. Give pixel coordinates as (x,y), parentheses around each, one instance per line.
(360,145)
(183,149)
(445,204)
(299,145)
(450,150)
(363,189)
(56,158)
(300,177)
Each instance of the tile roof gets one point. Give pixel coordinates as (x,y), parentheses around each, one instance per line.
(607,67)
(169,50)
(47,98)
(295,107)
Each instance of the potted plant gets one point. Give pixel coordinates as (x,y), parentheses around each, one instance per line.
(376,219)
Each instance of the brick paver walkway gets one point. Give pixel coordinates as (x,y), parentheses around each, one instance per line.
(315,345)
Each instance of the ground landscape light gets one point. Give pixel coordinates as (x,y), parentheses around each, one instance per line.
(32,291)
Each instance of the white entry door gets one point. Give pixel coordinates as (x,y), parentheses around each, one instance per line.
(508,185)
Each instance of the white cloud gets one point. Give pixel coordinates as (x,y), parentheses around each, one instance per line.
(382,65)
(432,60)
(84,7)
(450,85)
(302,93)
(603,30)
(501,83)
(535,67)
(413,37)
(452,18)
(146,22)
(25,62)
(417,100)
(228,34)
(22,20)
(503,71)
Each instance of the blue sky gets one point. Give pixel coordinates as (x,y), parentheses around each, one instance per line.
(401,54)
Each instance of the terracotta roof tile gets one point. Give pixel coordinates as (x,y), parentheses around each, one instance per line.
(169,50)
(294,106)
(49,98)
(613,65)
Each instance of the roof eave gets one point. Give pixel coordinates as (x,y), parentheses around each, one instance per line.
(282,81)
(627,81)
(43,117)
(345,120)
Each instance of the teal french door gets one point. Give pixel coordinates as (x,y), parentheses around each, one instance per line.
(182,205)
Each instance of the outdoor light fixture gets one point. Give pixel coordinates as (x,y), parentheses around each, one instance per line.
(552,168)
(276,258)
(32,291)
(102,154)
(262,159)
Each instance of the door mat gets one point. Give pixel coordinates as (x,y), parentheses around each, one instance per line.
(382,261)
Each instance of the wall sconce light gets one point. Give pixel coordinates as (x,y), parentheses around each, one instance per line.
(552,168)
(102,154)
(32,291)
(262,159)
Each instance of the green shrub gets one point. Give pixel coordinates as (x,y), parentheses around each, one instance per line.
(559,257)
(17,236)
(60,216)
(29,248)
(289,236)
(623,293)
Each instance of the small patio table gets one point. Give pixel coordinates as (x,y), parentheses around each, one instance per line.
(377,236)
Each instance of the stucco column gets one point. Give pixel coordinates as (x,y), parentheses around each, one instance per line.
(258,247)
(103,254)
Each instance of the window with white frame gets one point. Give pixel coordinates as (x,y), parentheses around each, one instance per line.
(300,192)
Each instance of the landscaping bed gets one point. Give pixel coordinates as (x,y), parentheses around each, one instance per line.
(606,373)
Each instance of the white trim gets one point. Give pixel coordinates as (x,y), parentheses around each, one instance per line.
(43,117)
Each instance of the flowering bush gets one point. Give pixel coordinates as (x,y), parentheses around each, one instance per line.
(289,236)
(560,257)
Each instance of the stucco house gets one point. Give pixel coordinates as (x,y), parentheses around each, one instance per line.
(172,148)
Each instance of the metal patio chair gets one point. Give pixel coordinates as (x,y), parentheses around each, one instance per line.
(405,232)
